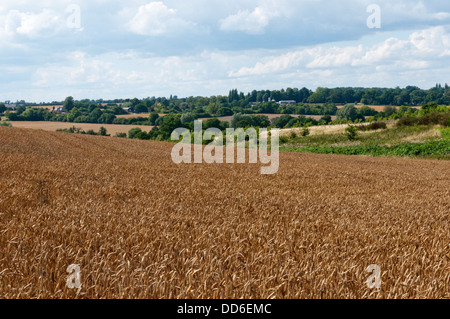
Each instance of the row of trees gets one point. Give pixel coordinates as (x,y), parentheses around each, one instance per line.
(264,101)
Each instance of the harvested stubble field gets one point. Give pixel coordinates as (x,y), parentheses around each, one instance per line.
(53,126)
(140,226)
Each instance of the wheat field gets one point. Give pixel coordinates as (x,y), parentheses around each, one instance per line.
(140,226)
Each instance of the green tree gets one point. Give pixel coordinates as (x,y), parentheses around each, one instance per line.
(20,109)
(2,108)
(281,121)
(95,115)
(153,117)
(326,118)
(367,111)
(133,132)
(140,108)
(224,111)
(169,123)
(68,104)
(348,112)
(103,131)
(73,114)
(107,118)
(389,110)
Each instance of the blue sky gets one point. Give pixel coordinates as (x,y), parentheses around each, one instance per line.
(138,48)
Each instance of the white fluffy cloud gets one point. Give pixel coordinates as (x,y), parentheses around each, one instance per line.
(155,18)
(161,47)
(254,22)
(420,50)
(32,25)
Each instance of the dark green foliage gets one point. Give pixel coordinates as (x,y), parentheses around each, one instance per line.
(244,120)
(305,132)
(215,123)
(367,111)
(140,108)
(77,130)
(7,124)
(326,118)
(282,121)
(389,110)
(68,104)
(168,124)
(351,132)
(133,132)
(225,111)
(20,109)
(103,131)
(434,118)
(348,112)
(153,117)
(373,126)
(142,136)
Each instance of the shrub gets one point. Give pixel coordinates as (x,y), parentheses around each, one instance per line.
(133,132)
(121,135)
(351,132)
(373,126)
(8,124)
(306,132)
(283,139)
(434,118)
(142,136)
(103,131)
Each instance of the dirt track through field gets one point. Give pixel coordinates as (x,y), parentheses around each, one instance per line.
(140,226)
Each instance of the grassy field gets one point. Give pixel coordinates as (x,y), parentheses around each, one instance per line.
(53,126)
(421,141)
(140,226)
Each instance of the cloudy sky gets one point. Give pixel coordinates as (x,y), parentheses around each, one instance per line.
(109,49)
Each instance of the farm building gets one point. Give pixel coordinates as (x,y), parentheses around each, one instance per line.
(287,102)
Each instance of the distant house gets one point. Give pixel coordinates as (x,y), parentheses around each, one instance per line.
(58,110)
(287,102)
(129,109)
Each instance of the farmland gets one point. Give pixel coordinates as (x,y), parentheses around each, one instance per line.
(140,226)
(271,117)
(53,126)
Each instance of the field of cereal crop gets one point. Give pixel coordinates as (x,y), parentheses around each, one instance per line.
(140,226)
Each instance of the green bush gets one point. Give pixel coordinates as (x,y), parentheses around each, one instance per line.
(351,132)
(4,123)
(445,133)
(435,118)
(373,126)
(133,132)
(283,139)
(306,132)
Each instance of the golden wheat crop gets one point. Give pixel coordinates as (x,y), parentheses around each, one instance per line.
(140,226)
